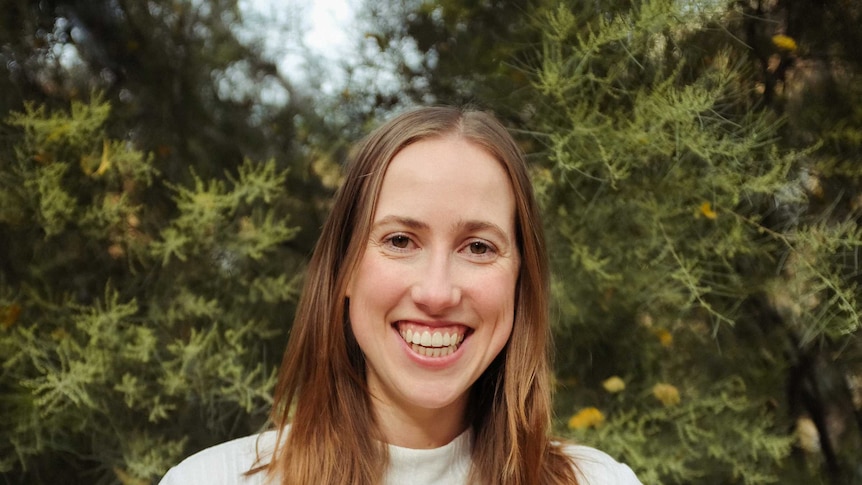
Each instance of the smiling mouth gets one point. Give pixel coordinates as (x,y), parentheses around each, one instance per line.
(432,342)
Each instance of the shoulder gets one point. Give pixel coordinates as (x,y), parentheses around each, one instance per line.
(596,467)
(224,464)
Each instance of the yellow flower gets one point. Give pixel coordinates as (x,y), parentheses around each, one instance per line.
(664,337)
(614,385)
(784,42)
(587,418)
(707,211)
(666,393)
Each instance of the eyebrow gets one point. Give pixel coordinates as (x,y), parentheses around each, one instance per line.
(468,225)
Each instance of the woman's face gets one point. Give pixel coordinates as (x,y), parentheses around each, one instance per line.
(432,301)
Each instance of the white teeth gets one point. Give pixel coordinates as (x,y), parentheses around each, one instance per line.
(432,345)
(437,340)
(427,339)
(433,351)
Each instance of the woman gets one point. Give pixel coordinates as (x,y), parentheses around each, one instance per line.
(419,349)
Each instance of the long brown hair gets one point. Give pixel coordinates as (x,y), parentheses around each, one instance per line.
(322,392)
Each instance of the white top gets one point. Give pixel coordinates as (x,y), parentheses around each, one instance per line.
(226,463)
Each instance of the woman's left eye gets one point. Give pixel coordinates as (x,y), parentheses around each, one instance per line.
(480,248)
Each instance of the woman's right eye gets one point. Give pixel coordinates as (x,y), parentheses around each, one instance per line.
(399,241)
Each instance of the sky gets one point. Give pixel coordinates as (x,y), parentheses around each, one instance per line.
(329,21)
(323,26)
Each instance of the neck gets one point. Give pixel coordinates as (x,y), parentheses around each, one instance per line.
(420,428)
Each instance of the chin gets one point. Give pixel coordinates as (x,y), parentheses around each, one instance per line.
(429,398)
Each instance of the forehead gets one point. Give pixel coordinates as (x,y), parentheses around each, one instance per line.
(446,160)
(448,173)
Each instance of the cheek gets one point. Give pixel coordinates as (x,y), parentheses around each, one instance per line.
(373,290)
(498,300)
(355,280)
(504,329)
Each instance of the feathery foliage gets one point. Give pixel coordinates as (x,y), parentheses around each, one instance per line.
(682,256)
(128,335)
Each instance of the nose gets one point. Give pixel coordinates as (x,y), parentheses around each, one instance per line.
(435,289)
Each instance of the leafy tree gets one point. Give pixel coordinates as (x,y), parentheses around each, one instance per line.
(664,175)
(187,82)
(729,268)
(148,252)
(128,339)
(808,69)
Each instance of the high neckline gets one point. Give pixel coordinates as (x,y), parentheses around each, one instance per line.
(449,463)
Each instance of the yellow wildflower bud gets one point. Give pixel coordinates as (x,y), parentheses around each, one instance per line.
(614,384)
(707,211)
(666,393)
(784,42)
(587,418)
(664,337)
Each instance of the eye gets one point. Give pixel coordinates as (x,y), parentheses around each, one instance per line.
(480,250)
(478,247)
(398,241)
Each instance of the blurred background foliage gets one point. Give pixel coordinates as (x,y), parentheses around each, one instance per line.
(162,182)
